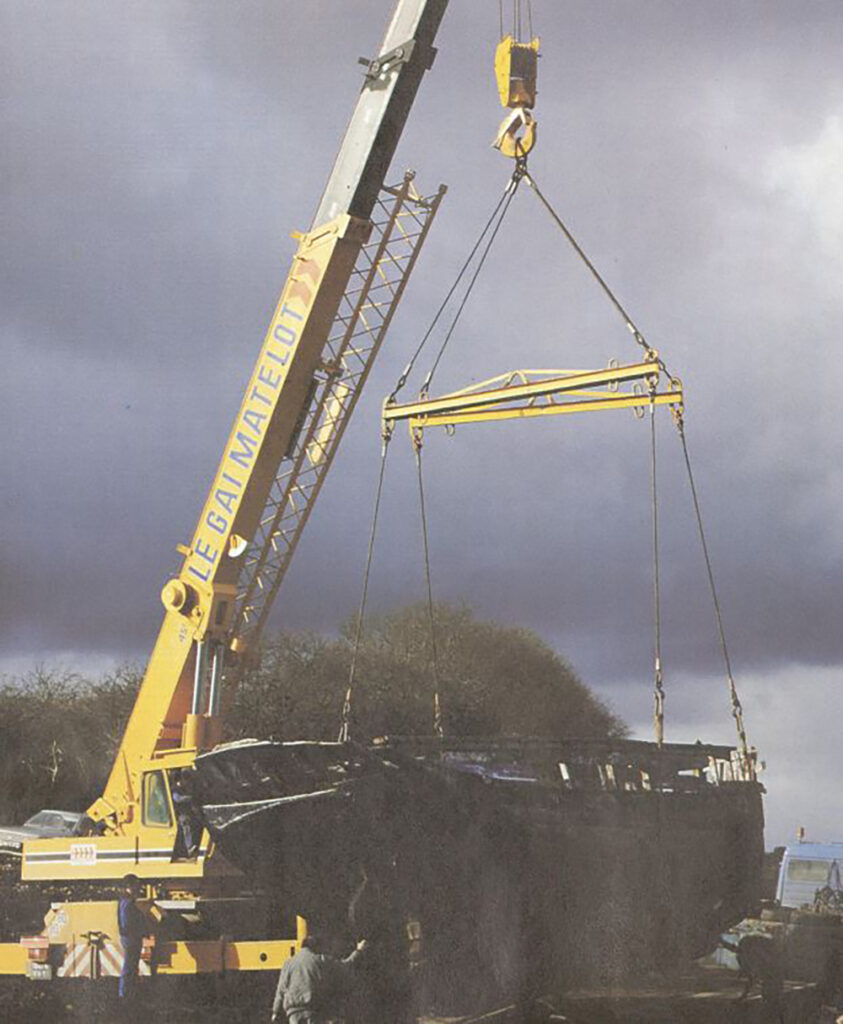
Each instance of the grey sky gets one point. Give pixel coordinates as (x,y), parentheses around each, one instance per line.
(155,157)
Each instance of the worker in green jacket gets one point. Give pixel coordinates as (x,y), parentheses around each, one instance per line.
(312,984)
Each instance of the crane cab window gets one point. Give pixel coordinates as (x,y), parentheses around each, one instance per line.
(156,804)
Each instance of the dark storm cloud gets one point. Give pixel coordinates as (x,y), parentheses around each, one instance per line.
(155,157)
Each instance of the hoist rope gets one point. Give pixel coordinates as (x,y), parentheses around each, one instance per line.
(737,707)
(517,20)
(610,295)
(438,727)
(658,690)
(509,194)
(345,727)
(408,369)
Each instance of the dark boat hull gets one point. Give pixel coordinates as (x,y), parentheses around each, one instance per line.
(521,859)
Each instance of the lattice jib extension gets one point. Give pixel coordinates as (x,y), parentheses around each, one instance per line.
(400,222)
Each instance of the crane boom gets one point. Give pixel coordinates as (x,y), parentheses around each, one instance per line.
(177,705)
(392,80)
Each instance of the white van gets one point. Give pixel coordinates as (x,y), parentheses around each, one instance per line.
(805,869)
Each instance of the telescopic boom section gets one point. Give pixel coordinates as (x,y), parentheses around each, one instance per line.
(178,702)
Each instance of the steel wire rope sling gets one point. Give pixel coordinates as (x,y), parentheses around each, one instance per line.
(488,234)
(658,676)
(746,755)
(497,220)
(515,71)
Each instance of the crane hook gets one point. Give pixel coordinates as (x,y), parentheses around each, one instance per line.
(508,140)
(516,69)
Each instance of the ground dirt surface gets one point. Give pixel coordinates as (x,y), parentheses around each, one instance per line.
(695,997)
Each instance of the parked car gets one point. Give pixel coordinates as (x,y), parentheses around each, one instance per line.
(42,825)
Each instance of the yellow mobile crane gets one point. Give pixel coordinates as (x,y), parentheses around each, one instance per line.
(347,277)
(679,827)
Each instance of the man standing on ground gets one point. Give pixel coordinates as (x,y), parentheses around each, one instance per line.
(133,927)
(311,984)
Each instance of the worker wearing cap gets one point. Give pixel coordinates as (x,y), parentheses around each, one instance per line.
(311,985)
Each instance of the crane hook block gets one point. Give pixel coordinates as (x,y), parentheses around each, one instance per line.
(516,67)
(509,141)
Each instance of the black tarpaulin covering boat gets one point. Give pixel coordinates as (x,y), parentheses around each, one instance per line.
(290,815)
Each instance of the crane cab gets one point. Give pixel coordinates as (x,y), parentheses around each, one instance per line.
(155,839)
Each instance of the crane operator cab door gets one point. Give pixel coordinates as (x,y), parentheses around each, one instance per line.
(169,817)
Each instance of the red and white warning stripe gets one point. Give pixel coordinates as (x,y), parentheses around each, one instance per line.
(111,960)
(79,961)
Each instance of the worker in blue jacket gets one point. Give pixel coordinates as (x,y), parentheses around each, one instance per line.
(312,985)
(133,926)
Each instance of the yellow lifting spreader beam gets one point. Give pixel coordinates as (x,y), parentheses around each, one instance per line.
(522,394)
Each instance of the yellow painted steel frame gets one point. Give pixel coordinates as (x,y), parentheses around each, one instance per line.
(213,956)
(69,924)
(203,956)
(13,958)
(517,395)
